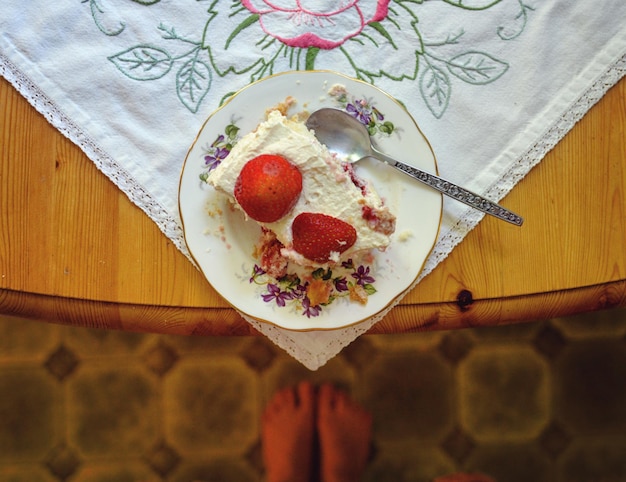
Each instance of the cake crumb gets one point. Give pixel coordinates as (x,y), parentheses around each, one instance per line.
(301,116)
(282,107)
(358,293)
(213,210)
(319,292)
(405,235)
(337,90)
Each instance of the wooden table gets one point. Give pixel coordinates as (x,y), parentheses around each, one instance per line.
(74,249)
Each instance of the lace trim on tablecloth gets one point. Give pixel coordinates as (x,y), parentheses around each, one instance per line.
(336,340)
(529,159)
(105,163)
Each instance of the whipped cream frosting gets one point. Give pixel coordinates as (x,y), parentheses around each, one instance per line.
(326,186)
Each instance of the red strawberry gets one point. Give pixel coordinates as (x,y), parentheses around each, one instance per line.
(316,236)
(267,188)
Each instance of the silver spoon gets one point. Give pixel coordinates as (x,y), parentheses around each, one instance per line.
(348,138)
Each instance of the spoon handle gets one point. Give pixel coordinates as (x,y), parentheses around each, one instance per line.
(454,191)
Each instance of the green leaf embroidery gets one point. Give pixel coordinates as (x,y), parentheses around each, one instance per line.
(515,28)
(143,62)
(477,68)
(99,13)
(242,26)
(473,4)
(383,36)
(435,88)
(217,49)
(193,82)
(383,31)
(311,53)
(433,70)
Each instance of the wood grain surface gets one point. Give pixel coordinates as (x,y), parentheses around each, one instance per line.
(74,249)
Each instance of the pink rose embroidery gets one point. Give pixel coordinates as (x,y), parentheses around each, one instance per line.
(316,23)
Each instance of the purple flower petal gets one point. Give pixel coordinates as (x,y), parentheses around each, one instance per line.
(362,277)
(274,293)
(309,310)
(341,284)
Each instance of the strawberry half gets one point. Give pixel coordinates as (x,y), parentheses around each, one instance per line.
(316,236)
(267,188)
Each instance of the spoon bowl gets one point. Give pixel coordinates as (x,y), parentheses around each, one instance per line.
(349,139)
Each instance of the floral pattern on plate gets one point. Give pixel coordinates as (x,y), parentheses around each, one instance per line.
(320,287)
(221,242)
(349,281)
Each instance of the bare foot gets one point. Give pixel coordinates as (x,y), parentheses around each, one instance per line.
(345,430)
(287,434)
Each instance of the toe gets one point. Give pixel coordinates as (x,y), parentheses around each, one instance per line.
(326,397)
(283,398)
(342,401)
(287,397)
(306,394)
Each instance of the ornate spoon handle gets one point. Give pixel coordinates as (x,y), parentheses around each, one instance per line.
(454,191)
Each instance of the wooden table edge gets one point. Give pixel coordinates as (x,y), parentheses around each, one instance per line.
(178,320)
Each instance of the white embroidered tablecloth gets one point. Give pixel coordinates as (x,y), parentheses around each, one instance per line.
(493,84)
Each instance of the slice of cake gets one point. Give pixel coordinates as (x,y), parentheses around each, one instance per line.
(314,209)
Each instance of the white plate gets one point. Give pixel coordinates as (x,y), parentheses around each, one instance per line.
(222,242)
